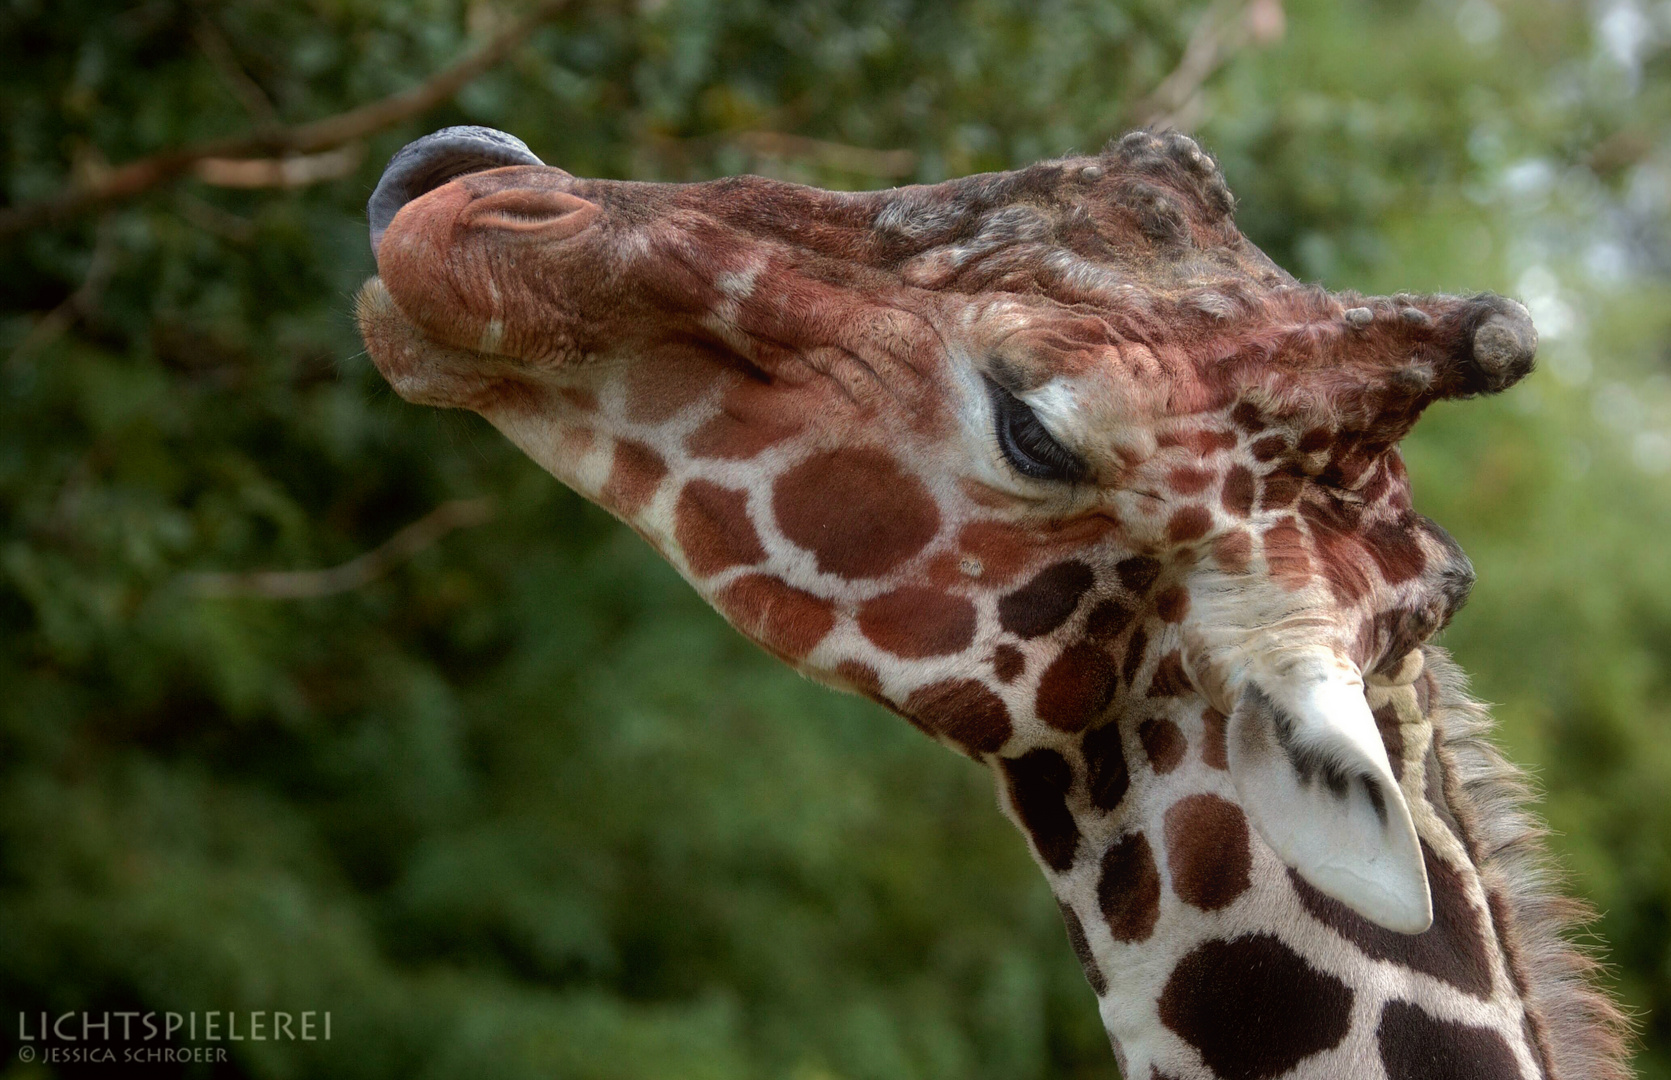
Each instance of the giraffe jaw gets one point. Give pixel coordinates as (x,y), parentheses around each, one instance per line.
(425,372)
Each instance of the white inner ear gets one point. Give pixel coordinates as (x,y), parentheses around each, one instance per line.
(1313,777)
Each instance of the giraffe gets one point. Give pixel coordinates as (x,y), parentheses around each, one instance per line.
(1059,467)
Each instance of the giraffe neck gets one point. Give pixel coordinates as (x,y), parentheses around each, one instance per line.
(1211,959)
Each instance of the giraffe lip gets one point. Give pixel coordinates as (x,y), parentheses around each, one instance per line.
(418,368)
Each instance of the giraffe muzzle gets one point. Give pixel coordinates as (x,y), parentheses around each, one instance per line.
(480,245)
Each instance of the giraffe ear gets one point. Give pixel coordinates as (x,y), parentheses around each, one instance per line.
(1314,779)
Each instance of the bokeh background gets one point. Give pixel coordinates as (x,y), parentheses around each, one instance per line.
(498,791)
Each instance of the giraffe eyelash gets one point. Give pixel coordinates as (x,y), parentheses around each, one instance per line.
(1025,442)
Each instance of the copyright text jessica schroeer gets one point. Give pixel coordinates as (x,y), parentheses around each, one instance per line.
(132,1037)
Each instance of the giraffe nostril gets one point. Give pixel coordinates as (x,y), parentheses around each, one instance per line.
(550,215)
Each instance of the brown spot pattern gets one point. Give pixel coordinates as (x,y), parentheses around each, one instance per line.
(581,399)
(1279,490)
(864,680)
(1187,480)
(1045,602)
(1170,679)
(1392,737)
(1397,552)
(1008,663)
(1106,774)
(1246,415)
(1286,554)
(1038,782)
(1233,551)
(787,620)
(1138,572)
(712,527)
(1340,555)
(1253,1008)
(1200,441)
(1172,604)
(1188,524)
(1134,654)
(1107,619)
(1128,889)
(1314,440)
(634,474)
(1207,851)
(1452,950)
(730,437)
(857,511)
(1164,744)
(1237,496)
(915,623)
(1076,687)
(1001,548)
(964,711)
(1082,949)
(1214,744)
(1416,1046)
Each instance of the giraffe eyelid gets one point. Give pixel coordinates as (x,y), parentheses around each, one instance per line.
(1026,443)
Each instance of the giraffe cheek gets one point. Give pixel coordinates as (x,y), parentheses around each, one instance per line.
(857,511)
(916,623)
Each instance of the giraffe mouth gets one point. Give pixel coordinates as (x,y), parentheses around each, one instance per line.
(422,370)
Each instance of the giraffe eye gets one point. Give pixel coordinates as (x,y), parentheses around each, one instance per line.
(1026,444)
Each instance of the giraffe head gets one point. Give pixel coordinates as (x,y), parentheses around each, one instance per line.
(1010,454)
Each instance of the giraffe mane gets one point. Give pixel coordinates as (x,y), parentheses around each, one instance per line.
(1579,1030)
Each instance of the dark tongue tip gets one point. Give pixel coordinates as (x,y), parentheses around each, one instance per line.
(425,164)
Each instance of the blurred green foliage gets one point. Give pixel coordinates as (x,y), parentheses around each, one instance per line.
(524,806)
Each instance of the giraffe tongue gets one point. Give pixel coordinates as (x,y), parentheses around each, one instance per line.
(1314,779)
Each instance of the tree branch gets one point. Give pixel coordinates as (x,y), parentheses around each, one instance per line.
(1224,30)
(128,180)
(358,571)
(248,92)
(296,171)
(78,305)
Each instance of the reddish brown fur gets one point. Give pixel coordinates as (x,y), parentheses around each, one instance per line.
(915,623)
(1207,851)
(714,530)
(856,510)
(787,620)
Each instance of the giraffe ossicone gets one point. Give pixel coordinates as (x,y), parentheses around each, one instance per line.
(1058,466)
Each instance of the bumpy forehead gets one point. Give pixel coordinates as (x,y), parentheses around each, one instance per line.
(1151,214)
